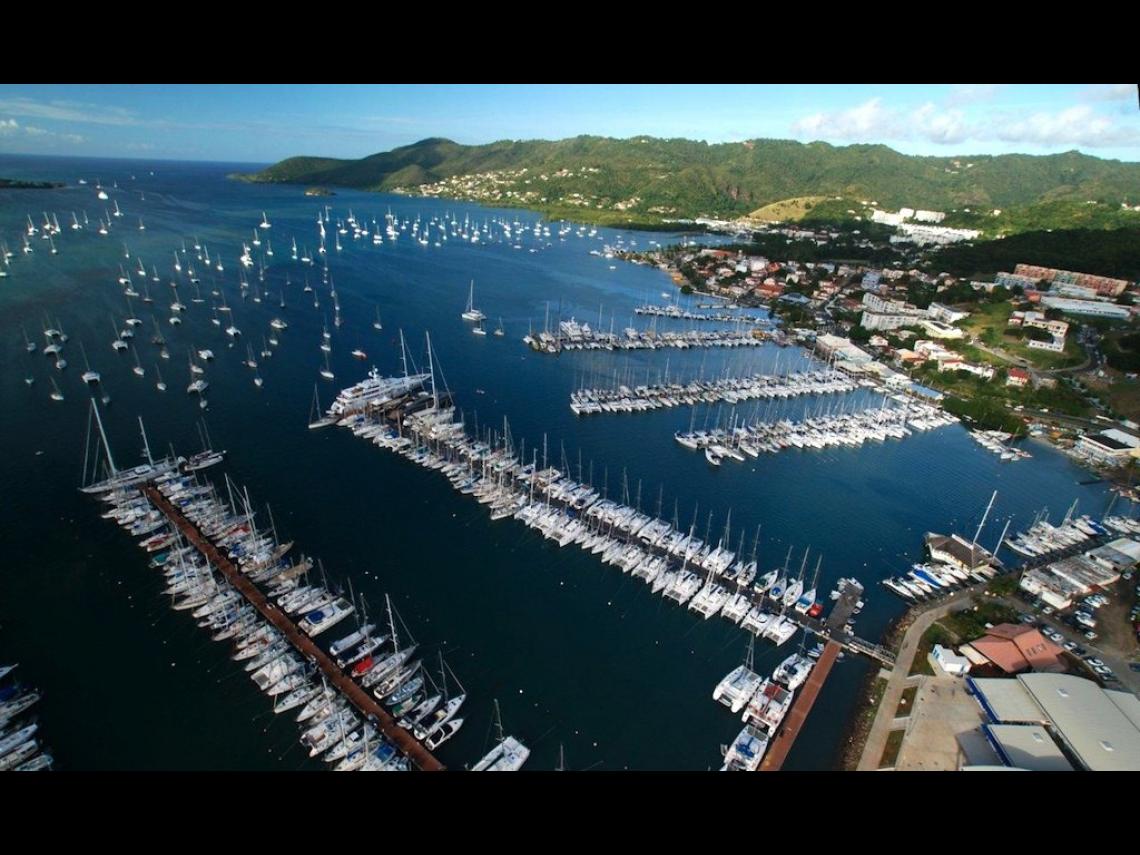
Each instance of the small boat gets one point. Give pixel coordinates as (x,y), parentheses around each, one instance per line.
(360,354)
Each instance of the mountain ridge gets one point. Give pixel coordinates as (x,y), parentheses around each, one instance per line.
(654,179)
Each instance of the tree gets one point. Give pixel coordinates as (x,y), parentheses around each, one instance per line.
(1054,314)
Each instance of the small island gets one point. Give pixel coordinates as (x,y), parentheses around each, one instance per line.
(15,184)
(319,191)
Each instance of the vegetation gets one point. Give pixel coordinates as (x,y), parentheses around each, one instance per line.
(891,751)
(1043,216)
(1123,352)
(645,179)
(970,624)
(1004,585)
(936,634)
(906,701)
(16,184)
(1112,252)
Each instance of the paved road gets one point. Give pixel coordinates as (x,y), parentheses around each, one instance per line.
(884,718)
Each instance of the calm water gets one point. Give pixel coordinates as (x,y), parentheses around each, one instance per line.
(577,653)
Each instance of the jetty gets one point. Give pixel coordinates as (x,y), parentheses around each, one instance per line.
(570,335)
(362,700)
(731,390)
(781,744)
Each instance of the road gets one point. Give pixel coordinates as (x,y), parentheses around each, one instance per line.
(896,682)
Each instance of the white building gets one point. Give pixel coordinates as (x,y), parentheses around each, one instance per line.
(950,662)
(1087,307)
(1111,447)
(946,314)
(929,216)
(841,348)
(937,329)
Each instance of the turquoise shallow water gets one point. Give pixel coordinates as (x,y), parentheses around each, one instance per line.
(577,653)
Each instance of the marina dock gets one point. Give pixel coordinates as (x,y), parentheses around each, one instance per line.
(785,738)
(574,336)
(336,678)
(732,390)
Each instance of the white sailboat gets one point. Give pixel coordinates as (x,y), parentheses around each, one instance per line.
(508,756)
(471,313)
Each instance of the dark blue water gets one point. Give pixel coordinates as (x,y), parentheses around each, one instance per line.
(577,653)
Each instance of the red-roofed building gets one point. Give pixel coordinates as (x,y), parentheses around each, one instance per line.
(1014,648)
(1017,377)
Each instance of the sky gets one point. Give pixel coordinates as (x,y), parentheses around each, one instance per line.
(265,123)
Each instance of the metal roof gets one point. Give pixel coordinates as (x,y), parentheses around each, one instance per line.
(1028,746)
(1007,700)
(1093,724)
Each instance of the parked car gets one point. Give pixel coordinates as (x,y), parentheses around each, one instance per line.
(1091,636)
(1070,646)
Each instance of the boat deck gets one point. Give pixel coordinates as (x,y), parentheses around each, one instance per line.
(404,741)
(782,742)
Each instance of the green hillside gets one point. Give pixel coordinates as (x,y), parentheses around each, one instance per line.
(649,179)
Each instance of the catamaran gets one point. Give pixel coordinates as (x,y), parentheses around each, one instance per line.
(471,313)
(507,756)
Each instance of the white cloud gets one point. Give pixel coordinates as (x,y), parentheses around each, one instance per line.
(969,93)
(1110,92)
(1079,125)
(13,130)
(871,121)
(863,121)
(68,111)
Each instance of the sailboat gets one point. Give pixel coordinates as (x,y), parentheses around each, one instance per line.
(507,756)
(471,313)
(316,420)
(376,325)
(161,384)
(500,331)
(257,381)
(138,369)
(250,361)
(478,329)
(88,376)
(265,224)
(56,395)
(326,372)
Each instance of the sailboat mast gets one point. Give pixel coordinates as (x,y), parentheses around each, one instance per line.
(982,524)
(103,434)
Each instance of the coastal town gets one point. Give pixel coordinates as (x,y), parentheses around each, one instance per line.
(794,447)
(1033,351)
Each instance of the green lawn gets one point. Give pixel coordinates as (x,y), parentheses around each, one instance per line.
(891,751)
(936,634)
(906,702)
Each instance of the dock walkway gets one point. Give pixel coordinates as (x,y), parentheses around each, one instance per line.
(782,743)
(404,741)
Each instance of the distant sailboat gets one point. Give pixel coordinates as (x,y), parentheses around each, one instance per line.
(471,313)
(376,325)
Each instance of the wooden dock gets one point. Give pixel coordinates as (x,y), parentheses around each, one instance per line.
(362,700)
(785,737)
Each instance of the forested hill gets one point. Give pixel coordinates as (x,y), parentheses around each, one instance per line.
(647,179)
